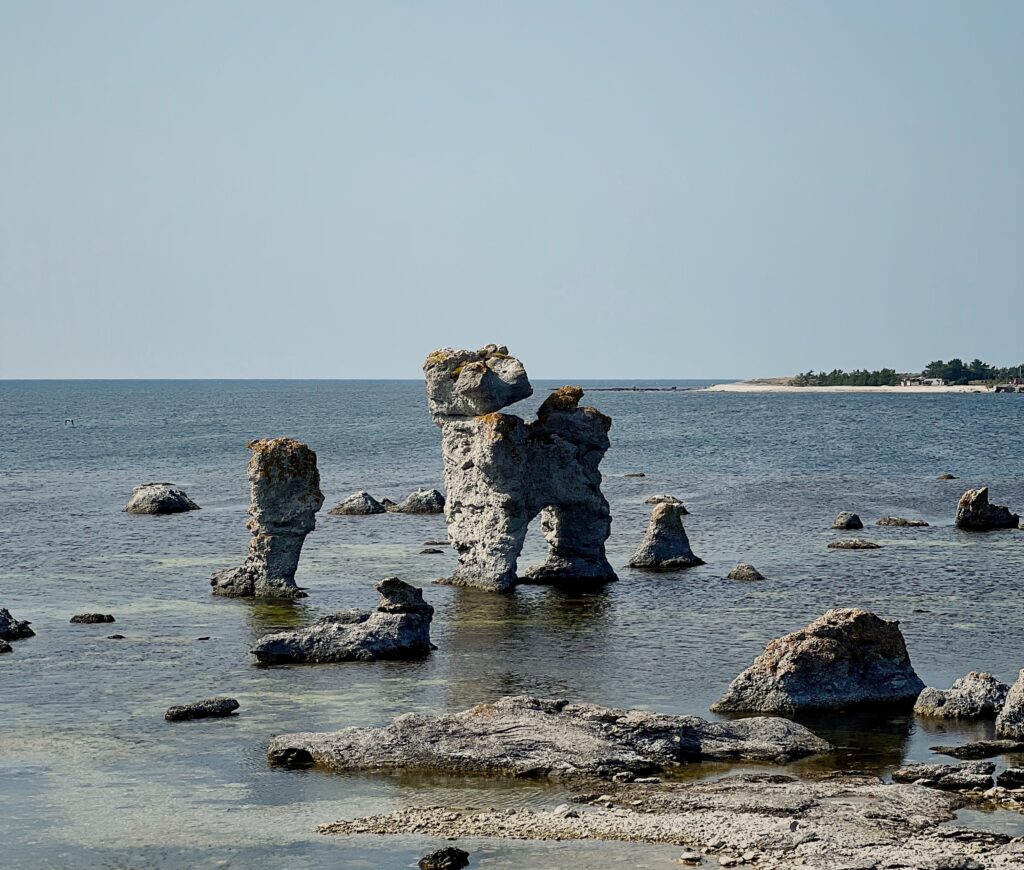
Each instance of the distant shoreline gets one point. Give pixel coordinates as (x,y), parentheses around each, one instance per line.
(757,386)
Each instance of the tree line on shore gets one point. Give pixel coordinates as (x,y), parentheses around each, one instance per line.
(955,371)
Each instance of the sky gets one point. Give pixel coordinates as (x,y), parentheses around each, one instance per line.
(617,190)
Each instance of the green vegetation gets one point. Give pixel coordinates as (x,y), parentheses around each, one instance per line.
(956,371)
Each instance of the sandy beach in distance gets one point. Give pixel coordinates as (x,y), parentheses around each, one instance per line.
(758,387)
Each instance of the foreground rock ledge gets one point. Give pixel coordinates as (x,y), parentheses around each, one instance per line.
(773,821)
(535,737)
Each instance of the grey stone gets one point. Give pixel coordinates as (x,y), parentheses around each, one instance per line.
(665,546)
(978,695)
(853,544)
(1010,722)
(11,628)
(91,618)
(847,520)
(448,858)
(947,476)
(949,777)
(358,504)
(284,496)
(745,572)
(159,498)
(205,709)
(398,629)
(845,658)
(534,737)
(975,514)
(901,522)
(980,749)
(666,499)
(501,472)
(1012,777)
(5,647)
(422,501)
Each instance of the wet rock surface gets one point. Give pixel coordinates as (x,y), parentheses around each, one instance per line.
(206,709)
(13,629)
(980,749)
(847,520)
(357,505)
(1010,721)
(844,658)
(853,544)
(91,618)
(284,496)
(978,695)
(501,472)
(745,572)
(951,777)
(448,858)
(533,737)
(901,522)
(837,823)
(974,513)
(399,628)
(665,545)
(159,498)
(422,501)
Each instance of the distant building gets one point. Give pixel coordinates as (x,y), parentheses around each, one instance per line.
(922,382)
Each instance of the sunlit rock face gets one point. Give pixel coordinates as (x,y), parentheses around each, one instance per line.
(501,472)
(284,496)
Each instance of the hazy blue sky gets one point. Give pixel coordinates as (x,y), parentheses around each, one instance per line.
(629,189)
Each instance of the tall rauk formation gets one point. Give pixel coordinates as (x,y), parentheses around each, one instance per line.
(501,472)
(284,496)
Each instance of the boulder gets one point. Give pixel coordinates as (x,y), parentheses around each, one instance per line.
(357,505)
(1010,722)
(159,498)
(847,520)
(91,618)
(980,749)
(665,546)
(284,496)
(398,629)
(11,628)
(978,695)
(422,501)
(205,709)
(975,514)
(948,777)
(745,572)
(901,522)
(534,737)
(846,658)
(1011,778)
(448,858)
(468,383)
(853,544)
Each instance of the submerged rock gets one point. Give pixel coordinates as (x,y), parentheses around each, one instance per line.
(745,572)
(205,709)
(1010,722)
(399,628)
(975,514)
(501,472)
(422,501)
(91,618)
(853,544)
(11,628)
(665,546)
(284,496)
(448,858)
(358,504)
(949,777)
(847,520)
(947,476)
(901,522)
(159,498)
(980,749)
(978,695)
(845,658)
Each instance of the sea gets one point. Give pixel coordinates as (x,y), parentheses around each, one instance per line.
(91,776)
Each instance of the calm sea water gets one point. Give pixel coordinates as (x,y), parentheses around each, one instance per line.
(91,775)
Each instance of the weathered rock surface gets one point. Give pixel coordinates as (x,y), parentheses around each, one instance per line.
(765,820)
(665,546)
(980,749)
(666,499)
(448,858)
(284,496)
(949,777)
(901,522)
(399,628)
(91,618)
(159,498)
(11,628)
(978,695)
(845,658)
(1010,722)
(847,520)
(975,514)
(745,572)
(853,544)
(501,472)
(357,505)
(534,737)
(205,709)
(1012,777)
(422,501)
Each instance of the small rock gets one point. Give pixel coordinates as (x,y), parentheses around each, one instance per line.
(947,476)
(11,628)
(665,546)
(745,572)
(690,858)
(635,474)
(358,504)
(115,637)
(159,498)
(847,520)
(901,522)
(91,618)
(975,514)
(980,749)
(853,544)
(430,551)
(564,811)
(978,695)
(448,858)
(204,709)
(422,501)
(5,647)
(1012,778)
(949,777)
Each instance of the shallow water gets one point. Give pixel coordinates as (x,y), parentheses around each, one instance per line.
(92,776)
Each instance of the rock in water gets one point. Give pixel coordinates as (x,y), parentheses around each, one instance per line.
(842,659)
(205,709)
(358,504)
(501,472)
(11,628)
(284,496)
(975,514)
(535,737)
(159,498)
(949,777)
(5,647)
(978,695)
(666,499)
(847,520)
(980,749)
(1010,722)
(398,629)
(423,501)
(901,522)
(854,544)
(745,572)
(448,858)
(665,546)
(91,618)
(947,476)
